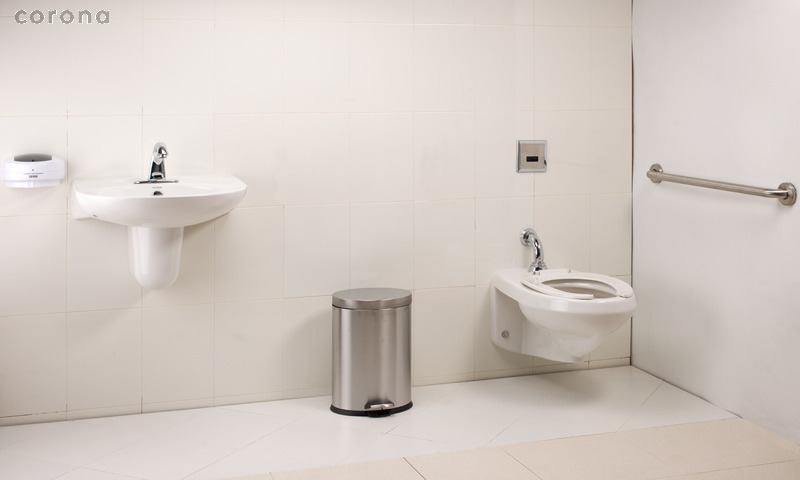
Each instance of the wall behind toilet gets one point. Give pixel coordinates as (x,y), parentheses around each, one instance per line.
(716,95)
(378,142)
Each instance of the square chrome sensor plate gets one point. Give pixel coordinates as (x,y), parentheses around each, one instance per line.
(531,156)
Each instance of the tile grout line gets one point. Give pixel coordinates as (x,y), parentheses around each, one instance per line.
(405,459)
(640,406)
(519,462)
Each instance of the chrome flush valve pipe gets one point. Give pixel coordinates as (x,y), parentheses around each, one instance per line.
(529,238)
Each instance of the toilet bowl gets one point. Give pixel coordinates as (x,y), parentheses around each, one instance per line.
(557,314)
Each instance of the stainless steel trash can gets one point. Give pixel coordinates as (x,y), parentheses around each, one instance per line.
(371,351)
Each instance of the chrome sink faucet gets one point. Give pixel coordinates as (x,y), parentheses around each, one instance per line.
(529,238)
(158,167)
(158,170)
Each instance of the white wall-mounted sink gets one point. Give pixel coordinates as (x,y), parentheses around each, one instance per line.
(155,214)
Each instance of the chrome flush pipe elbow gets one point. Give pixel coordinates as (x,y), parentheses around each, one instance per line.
(529,238)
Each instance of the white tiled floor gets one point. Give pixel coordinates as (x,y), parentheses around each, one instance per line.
(238,440)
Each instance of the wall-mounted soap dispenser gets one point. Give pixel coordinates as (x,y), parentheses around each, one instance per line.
(33,170)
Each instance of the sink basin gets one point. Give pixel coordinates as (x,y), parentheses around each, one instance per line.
(193,199)
(155,214)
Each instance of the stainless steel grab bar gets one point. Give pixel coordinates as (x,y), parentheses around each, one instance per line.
(786,193)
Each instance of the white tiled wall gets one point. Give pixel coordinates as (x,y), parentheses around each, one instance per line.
(733,336)
(378,141)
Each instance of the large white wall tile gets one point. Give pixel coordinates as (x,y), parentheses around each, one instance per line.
(382,11)
(98,274)
(504,12)
(564,227)
(382,245)
(104,359)
(611,68)
(33,364)
(496,138)
(317,72)
(251,148)
(444,243)
(444,156)
(307,340)
(249,253)
(317,11)
(568,167)
(189,140)
(381,67)
(104,146)
(444,332)
(177,353)
(381,162)
(611,151)
(178,66)
(504,68)
(498,224)
(248,350)
(195,284)
(20,135)
(108,81)
(611,13)
(316,166)
(611,234)
(179,9)
(40,88)
(260,10)
(444,67)
(33,252)
(248,80)
(444,11)
(117,9)
(562,12)
(562,66)
(317,250)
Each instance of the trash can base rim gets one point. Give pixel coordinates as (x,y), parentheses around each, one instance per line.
(372,413)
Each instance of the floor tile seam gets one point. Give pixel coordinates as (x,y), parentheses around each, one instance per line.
(469,411)
(336,427)
(231,408)
(94,469)
(740,467)
(520,463)
(633,446)
(210,464)
(341,461)
(682,470)
(166,435)
(420,409)
(405,459)
(499,434)
(641,405)
(93,459)
(399,435)
(71,466)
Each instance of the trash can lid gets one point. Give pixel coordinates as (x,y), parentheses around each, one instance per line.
(371,298)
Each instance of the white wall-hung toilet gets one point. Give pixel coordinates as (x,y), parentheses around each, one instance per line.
(557,314)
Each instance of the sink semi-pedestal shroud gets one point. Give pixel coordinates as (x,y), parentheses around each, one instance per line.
(155,214)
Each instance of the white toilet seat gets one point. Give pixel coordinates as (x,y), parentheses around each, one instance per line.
(537,282)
